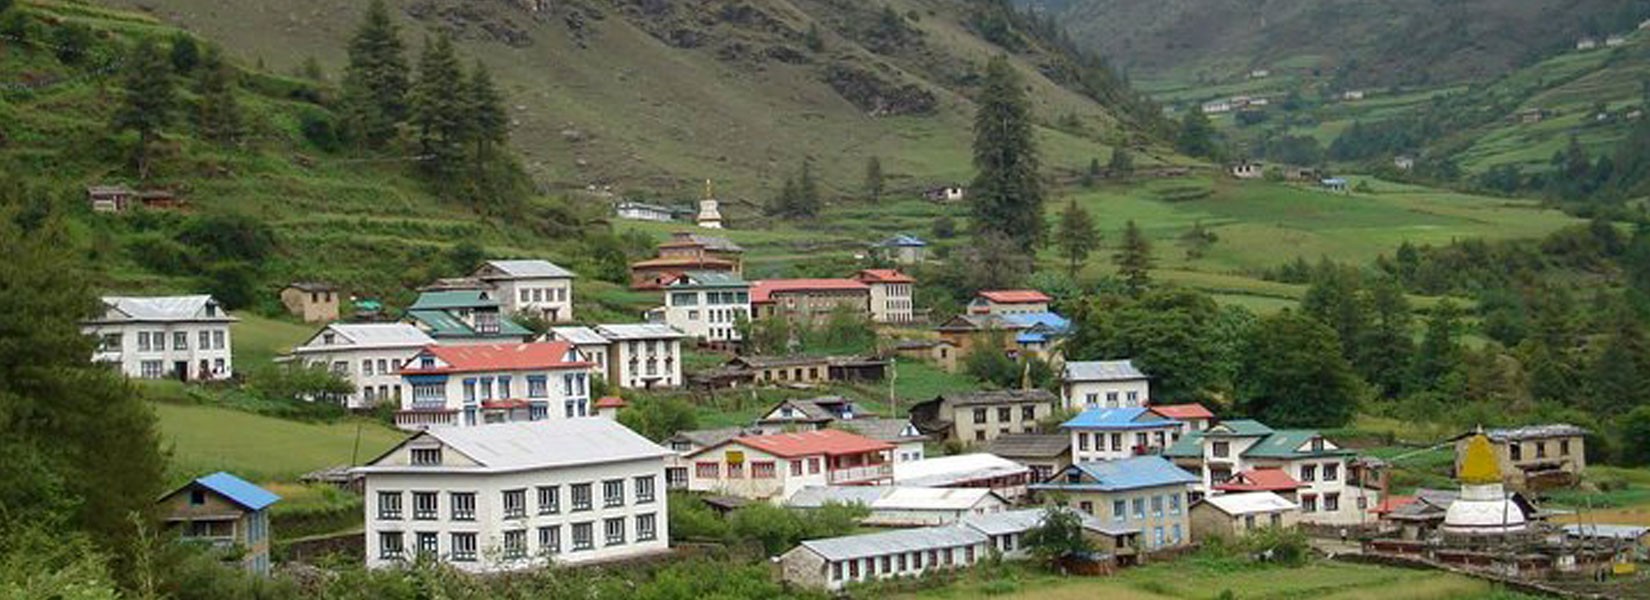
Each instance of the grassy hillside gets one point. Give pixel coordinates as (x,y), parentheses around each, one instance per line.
(204,439)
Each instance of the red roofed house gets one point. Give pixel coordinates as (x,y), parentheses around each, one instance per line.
(687,251)
(1009,302)
(494,383)
(772,467)
(811,299)
(1193,417)
(1261,480)
(891,293)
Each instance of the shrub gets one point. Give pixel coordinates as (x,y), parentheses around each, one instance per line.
(317,127)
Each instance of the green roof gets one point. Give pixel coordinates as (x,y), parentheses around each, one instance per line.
(452,299)
(710,279)
(1284,442)
(1189,445)
(441,324)
(1241,428)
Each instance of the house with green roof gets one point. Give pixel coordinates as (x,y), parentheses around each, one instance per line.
(706,305)
(1335,487)
(465,317)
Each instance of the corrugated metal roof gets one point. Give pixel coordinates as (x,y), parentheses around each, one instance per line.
(1249,503)
(582,336)
(815,496)
(903,240)
(531,269)
(360,336)
(879,428)
(1133,417)
(536,445)
(237,490)
(454,299)
(894,542)
(1102,370)
(709,279)
(1536,432)
(1026,519)
(991,397)
(638,331)
(1620,532)
(947,470)
(1125,474)
(166,308)
(1015,296)
(1286,443)
(1030,445)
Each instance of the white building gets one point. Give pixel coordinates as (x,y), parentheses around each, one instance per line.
(535,287)
(1213,107)
(891,295)
(832,563)
(1118,433)
(643,355)
(182,337)
(772,467)
(369,355)
(1329,492)
(591,345)
(978,470)
(494,383)
(641,211)
(707,305)
(900,506)
(517,495)
(1104,384)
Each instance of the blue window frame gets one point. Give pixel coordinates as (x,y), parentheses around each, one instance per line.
(538,386)
(504,386)
(486,388)
(470,390)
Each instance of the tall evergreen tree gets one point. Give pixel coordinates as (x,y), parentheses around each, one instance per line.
(375,81)
(873,179)
(1134,260)
(1122,162)
(217,112)
(1619,375)
(1386,346)
(1438,359)
(147,99)
(1006,197)
(490,123)
(1335,299)
(439,108)
(1077,236)
(1295,376)
(1197,135)
(186,53)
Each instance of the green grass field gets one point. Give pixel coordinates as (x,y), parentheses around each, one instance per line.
(259,448)
(257,340)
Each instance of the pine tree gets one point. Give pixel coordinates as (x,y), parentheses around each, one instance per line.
(1122,162)
(1335,298)
(1619,376)
(807,202)
(784,203)
(485,106)
(186,54)
(217,113)
(1386,346)
(439,108)
(1438,358)
(1197,135)
(147,99)
(873,179)
(1077,236)
(375,81)
(1134,260)
(1295,376)
(1006,196)
(813,39)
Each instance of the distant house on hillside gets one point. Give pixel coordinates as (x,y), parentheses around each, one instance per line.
(1530,116)
(182,337)
(1337,185)
(1352,95)
(115,198)
(226,513)
(1248,170)
(945,193)
(368,355)
(464,317)
(1260,73)
(642,211)
(314,302)
(903,249)
(1586,43)
(1213,107)
(1614,41)
(1403,162)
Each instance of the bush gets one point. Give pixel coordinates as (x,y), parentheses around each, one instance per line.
(301,385)
(317,126)
(160,254)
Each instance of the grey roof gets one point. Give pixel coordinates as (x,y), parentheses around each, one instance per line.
(312,286)
(530,269)
(815,496)
(951,470)
(1103,370)
(510,447)
(1620,532)
(1030,445)
(364,336)
(579,335)
(894,542)
(164,308)
(1533,432)
(710,242)
(705,438)
(881,429)
(1026,519)
(639,331)
(813,409)
(998,397)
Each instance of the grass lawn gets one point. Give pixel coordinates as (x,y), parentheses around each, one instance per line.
(259,448)
(257,340)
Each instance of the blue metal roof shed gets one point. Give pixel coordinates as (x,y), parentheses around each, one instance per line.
(1135,417)
(237,490)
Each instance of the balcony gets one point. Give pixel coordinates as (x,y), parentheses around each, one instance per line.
(860,474)
(421,418)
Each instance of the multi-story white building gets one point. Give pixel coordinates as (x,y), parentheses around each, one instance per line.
(1145,494)
(643,355)
(773,467)
(495,383)
(591,345)
(369,355)
(707,305)
(891,293)
(1330,491)
(535,287)
(1104,384)
(1009,302)
(517,495)
(1117,433)
(182,337)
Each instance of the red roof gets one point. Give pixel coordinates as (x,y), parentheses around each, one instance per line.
(1015,296)
(498,357)
(504,404)
(884,276)
(1260,480)
(832,442)
(1391,503)
(1183,412)
(762,291)
(682,261)
(610,402)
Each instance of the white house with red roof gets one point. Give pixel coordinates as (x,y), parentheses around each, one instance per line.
(773,467)
(494,383)
(1272,479)
(891,293)
(1009,302)
(809,300)
(1192,417)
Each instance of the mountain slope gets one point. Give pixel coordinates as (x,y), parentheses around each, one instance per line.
(651,95)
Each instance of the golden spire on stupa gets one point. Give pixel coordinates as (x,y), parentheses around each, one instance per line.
(1478,466)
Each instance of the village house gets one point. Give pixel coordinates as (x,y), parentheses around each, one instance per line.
(1586,43)
(496,383)
(683,443)
(833,563)
(1117,433)
(1230,516)
(642,211)
(643,355)
(1615,40)
(226,513)
(1536,457)
(705,305)
(1009,302)
(591,345)
(792,371)
(369,355)
(841,413)
(903,506)
(1352,95)
(1145,494)
(311,301)
(464,317)
(891,294)
(1104,384)
(943,353)
(1530,116)
(1334,488)
(1260,73)
(977,470)
(158,337)
(809,301)
(945,193)
(530,287)
(1028,334)
(903,249)
(1403,163)
(687,251)
(978,417)
(1248,170)
(910,445)
(1192,417)
(773,467)
(1337,185)
(1270,479)
(1215,107)
(1044,453)
(515,496)
(116,199)
(1006,530)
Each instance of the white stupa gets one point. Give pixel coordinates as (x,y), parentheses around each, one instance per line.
(709,216)
(1484,507)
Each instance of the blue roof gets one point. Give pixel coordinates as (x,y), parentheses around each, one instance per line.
(903,240)
(1047,321)
(1119,418)
(1120,475)
(238,490)
(1031,337)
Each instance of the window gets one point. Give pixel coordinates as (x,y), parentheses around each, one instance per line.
(1157,506)
(426,506)
(1086,506)
(1082,441)
(389,506)
(647,528)
(515,504)
(109,342)
(614,531)
(143,341)
(1309,504)
(1116,442)
(515,544)
(1157,536)
(1139,508)
(581,496)
(707,470)
(159,337)
(389,545)
(684,299)
(1276,520)
(796,468)
(550,540)
(217,340)
(366,367)
(1111,399)
(180,340)
(426,456)
(1176,538)
(464,546)
(537,387)
(1309,473)
(549,500)
(1515,449)
(762,469)
(1331,471)
(1134,398)
(584,536)
(1331,502)
(1174,504)
(1563,445)
(979,416)
(645,487)
(428,544)
(1220,449)
(464,505)
(1248,521)
(1541,449)
(1119,510)
(151,369)
(813,466)
(836,571)
(197,497)
(1005,414)
(613,493)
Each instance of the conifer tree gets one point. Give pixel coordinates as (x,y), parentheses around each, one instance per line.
(873,179)
(1439,355)
(1386,345)
(147,99)
(1295,376)
(807,192)
(217,113)
(1122,162)
(1197,135)
(490,123)
(1077,236)
(375,81)
(1006,197)
(439,108)
(186,54)
(1134,260)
